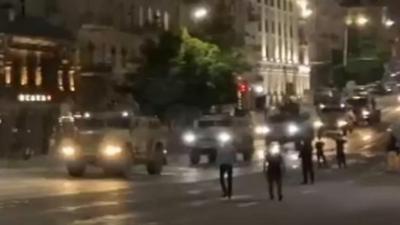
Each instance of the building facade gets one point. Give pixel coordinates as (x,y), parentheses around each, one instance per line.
(276,33)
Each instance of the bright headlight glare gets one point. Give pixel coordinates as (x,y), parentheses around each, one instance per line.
(68,151)
(189,138)
(341,123)
(365,113)
(342,105)
(224,137)
(318,124)
(322,106)
(112,150)
(293,129)
(260,130)
(275,149)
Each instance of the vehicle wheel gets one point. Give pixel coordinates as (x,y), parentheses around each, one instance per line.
(76,170)
(194,157)
(155,165)
(212,157)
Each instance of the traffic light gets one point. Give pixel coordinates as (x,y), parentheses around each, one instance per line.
(243,87)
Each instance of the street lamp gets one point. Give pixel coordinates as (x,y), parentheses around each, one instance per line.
(200,13)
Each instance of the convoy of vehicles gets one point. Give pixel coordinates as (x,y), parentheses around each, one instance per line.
(116,140)
(113,141)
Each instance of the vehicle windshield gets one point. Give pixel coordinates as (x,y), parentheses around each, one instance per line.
(214,123)
(121,123)
(90,124)
(358,102)
(333,110)
(278,118)
(331,101)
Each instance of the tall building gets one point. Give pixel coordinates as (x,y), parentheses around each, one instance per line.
(276,33)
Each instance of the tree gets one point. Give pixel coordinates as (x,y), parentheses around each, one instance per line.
(183,70)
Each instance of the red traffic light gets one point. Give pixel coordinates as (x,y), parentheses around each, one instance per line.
(243,87)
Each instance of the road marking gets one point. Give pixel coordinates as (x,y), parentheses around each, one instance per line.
(87,206)
(194,192)
(199,203)
(249,204)
(109,219)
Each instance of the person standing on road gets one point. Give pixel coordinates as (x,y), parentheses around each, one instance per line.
(226,158)
(340,154)
(274,171)
(321,159)
(307,162)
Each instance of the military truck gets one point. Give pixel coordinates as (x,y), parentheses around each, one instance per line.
(114,141)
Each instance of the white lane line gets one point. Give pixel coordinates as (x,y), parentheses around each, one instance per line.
(199,203)
(246,205)
(70,209)
(194,192)
(109,219)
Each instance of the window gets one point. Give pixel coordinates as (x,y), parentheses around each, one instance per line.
(71,78)
(150,15)
(24,75)
(122,123)
(8,75)
(60,80)
(166,21)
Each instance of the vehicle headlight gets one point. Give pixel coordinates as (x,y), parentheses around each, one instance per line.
(224,137)
(318,124)
(322,106)
(68,151)
(293,129)
(342,105)
(341,123)
(275,149)
(189,138)
(366,113)
(112,150)
(262,130)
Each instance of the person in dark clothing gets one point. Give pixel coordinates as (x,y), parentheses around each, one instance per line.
(307,162)
(392,145)
(226,159)
(340,154)
(321,159)
(274,171)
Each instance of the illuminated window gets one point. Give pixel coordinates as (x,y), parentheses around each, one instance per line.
(38,76)
(24,76)
(60,80)
(71,80)
(166,21)
(8,75)
(150,15)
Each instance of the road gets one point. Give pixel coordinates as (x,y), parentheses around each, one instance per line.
(363,194)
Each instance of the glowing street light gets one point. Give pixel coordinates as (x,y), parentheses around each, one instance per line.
(200,13)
